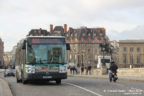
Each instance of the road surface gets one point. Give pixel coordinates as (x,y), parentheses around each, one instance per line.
(75,86)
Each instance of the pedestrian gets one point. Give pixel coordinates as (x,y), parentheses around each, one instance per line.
(75,69)
(71,69)
(82,68)
(89,69)
(113,72)
(86,68)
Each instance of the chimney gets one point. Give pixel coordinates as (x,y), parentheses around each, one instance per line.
(65,28)
(69,30)
(40,32)
(51,28)
(85,30)
(104,31)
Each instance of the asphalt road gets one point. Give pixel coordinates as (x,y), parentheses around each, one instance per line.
(75,86)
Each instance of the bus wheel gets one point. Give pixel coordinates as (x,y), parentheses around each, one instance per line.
(58,81)
(23,81)
(18,81)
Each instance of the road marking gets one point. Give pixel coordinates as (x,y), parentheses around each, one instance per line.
(84,89)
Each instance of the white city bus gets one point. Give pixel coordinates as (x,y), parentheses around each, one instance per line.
(41,58)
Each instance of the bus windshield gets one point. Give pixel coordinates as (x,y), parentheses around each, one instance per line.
(46,54)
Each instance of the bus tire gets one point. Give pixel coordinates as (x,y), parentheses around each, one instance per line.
(18,81)
(23,81)
(58,82)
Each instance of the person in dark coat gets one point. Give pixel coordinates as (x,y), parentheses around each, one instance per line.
(89,69)
(82,68)
(113,71)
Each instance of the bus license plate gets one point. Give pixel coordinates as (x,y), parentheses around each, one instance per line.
(47,77)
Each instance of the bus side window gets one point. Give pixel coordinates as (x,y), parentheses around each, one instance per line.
(24,45)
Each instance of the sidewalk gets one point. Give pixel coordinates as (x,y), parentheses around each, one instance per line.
(124,78)
(4,88)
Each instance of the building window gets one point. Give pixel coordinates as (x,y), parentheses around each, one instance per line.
(138,49)
(88,50)
(94,34)
(124,59)
(138,59)
(131,59)
(95,50)
(124,49)
(131,49)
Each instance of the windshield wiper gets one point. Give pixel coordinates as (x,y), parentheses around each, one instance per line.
(56,63)
(42,61)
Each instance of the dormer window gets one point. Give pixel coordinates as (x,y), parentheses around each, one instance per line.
(95,34)
(67,35)
(83,34)
(75,34)
(101,34)
(71,35)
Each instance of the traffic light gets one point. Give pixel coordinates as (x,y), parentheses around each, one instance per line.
(101,45)
(104,47)
(107,49)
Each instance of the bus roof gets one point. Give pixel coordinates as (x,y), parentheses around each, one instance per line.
(45,36)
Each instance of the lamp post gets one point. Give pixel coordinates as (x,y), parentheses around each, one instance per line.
(102,46)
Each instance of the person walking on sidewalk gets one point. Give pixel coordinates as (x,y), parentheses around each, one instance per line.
(89,69)
(82,69)
(113,72)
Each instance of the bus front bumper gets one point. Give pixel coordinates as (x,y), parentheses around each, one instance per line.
(46,76)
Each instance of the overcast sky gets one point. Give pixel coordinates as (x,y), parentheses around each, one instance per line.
(122,19)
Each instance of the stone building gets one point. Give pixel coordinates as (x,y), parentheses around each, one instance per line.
(13,53)
(7,59)
(84,44)
(1,53)
(115,51)
(131,53)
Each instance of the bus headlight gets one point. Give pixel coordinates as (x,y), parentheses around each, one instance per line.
(30,69)
(62,69)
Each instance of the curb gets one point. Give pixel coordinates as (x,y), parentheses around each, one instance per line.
(6,91)
(104,78)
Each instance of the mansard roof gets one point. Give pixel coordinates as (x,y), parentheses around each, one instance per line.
(86,33)
(37,32)
(58,30)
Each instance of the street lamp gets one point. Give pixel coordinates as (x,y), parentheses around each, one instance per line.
(102,46)
(105,48)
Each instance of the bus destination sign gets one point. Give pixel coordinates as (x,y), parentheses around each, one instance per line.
(46,40)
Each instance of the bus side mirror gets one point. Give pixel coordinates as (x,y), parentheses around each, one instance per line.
(67,46)
(24,45)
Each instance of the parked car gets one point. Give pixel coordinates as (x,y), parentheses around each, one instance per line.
(9,72)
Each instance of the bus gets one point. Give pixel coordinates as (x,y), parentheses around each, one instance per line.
(41,58)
